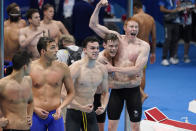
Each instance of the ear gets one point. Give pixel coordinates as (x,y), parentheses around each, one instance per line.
(104,44)
(84,50)
(124,27)
(30,20)
(25,67)
(43,51)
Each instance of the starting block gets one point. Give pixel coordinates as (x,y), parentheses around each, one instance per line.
(154,114)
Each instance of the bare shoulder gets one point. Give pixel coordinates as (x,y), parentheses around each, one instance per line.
(61,65)
(34,64)
(3,83)
(24,29)
(143,43)
(22,23)
(57,22)
(29,80)
(101,66)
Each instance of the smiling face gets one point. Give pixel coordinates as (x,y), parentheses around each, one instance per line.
(131,28)
(92,50)
(111,47)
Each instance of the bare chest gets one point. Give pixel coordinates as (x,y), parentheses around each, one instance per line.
(49,77)
(53,30)
(34,41)
(90,77)
(128,55)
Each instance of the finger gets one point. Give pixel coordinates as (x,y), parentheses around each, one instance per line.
(45,112)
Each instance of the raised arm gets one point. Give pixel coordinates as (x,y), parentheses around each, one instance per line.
(139,64)
(94,21)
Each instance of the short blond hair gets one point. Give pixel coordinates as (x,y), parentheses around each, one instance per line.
(67,38)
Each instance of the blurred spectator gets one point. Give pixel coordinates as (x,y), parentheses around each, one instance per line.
(185,26)
(82,12)
(39,4)
(171,22)
(68,52)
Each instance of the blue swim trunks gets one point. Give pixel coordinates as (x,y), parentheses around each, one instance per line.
(49,123)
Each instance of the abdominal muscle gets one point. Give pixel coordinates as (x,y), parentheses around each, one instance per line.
(121,76)
(17,118)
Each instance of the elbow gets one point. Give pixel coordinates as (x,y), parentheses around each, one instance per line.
(92,25)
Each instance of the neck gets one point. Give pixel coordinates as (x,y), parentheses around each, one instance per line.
(107,56)
(45,62)
(140,11)
(90,62)
(17,75)
(32,27)
(46,20)
(130,39)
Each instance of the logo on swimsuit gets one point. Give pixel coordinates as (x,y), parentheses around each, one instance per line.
(135,113)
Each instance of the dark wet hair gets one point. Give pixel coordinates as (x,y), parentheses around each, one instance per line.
(89,39)
(30,13)
(137,4)
(47,6)
(11,6)
(43,43)
(20,59)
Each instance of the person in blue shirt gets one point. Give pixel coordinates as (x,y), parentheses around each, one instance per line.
(170,9)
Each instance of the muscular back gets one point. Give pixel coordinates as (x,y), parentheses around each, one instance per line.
(146,25)
(14,99)
(47,84)
(21,23)
(11,40)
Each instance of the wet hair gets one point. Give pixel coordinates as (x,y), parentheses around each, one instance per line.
(89,39)
(67,39)
(30,13)
(130,19)
(47,6)
(20,59)
(14,15)
(137,4)
(11,6)
(111,37)
(43,43)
